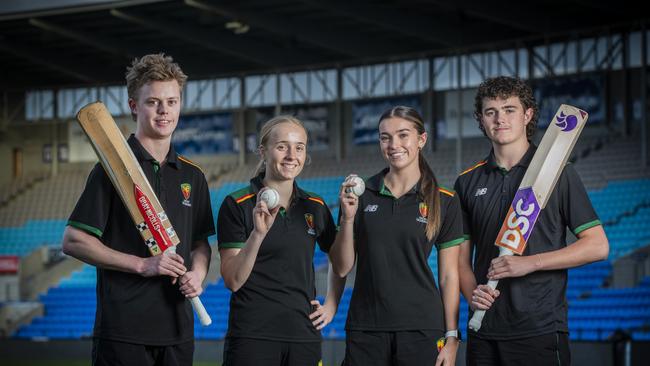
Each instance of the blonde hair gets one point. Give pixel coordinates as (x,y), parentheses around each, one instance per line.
(265,134)
(153,67)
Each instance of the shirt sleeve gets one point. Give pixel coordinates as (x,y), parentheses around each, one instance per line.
(451,228)
(464,216)
(575,205)
(92,210)
(328,233)
(231,227)
(203,220)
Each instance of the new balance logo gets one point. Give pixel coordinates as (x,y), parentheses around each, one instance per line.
(371,208)
(480,192)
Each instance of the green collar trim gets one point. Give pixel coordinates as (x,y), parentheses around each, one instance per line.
(384,191)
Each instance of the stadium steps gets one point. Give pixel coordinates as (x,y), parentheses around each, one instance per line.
(20,186)
(51,199)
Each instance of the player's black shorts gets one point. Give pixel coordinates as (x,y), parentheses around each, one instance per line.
(403,348)
(109,353)
(545,350)
(256,352)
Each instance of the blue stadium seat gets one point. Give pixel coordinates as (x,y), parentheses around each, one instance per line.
(594,312)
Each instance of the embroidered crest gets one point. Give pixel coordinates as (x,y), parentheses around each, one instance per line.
(309,218)
(424,212)
(186,189)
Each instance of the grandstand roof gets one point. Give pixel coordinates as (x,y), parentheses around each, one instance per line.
(64,43)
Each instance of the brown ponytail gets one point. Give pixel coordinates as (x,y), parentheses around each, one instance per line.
(430,196)
(428,183)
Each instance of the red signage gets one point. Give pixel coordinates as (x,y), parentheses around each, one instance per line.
(9,264)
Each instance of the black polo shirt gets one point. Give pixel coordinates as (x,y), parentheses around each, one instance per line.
(132,308)
(394,288)
(534,304)
(274,301)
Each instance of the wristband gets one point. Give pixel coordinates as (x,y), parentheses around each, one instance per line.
(453,333)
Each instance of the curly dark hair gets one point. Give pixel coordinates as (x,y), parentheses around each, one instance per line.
(504,87)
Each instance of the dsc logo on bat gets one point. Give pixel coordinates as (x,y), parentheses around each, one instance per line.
(519,221)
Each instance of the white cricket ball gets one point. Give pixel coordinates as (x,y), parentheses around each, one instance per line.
(271,197)
(358,188)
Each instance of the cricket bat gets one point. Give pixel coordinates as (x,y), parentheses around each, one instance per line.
(536,187)
(132,185)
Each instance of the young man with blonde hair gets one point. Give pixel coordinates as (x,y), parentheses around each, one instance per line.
(142,316)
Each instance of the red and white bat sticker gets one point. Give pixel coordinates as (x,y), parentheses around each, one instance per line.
(150,216)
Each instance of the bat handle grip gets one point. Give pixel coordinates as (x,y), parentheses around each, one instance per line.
(197,305)
(200,311)
(477,318)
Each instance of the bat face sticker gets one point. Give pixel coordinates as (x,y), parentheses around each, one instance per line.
(566,123)
(520,221)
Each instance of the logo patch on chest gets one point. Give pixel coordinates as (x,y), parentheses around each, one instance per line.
(371,208)
(309,218)
(186,189)
(424,212)
(480,192)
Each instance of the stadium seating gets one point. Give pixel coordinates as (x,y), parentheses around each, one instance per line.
(34,233)
(597,316)
(619,197)
(595,311)
(70,310)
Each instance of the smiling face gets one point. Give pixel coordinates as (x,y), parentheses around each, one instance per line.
(400,142)
(157,108)
(285,151)
(504,120)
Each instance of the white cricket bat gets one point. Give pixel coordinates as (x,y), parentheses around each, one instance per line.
(132,185)
(536,187)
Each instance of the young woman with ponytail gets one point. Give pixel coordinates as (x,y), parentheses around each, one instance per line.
(397,312)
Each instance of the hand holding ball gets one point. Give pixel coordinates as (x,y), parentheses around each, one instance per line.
(358,188)
(271,197)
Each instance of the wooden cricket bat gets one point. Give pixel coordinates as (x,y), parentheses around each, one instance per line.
(536,187)
(132,185)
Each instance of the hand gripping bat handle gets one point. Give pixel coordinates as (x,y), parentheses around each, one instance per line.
(197,305)
(200,311)
(477,318)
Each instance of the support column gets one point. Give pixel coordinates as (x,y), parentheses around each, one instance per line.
(241,121)
(645,139)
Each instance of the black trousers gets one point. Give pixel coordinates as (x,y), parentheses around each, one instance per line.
(113,353)
(399,348)
(256,352)
(546,350)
